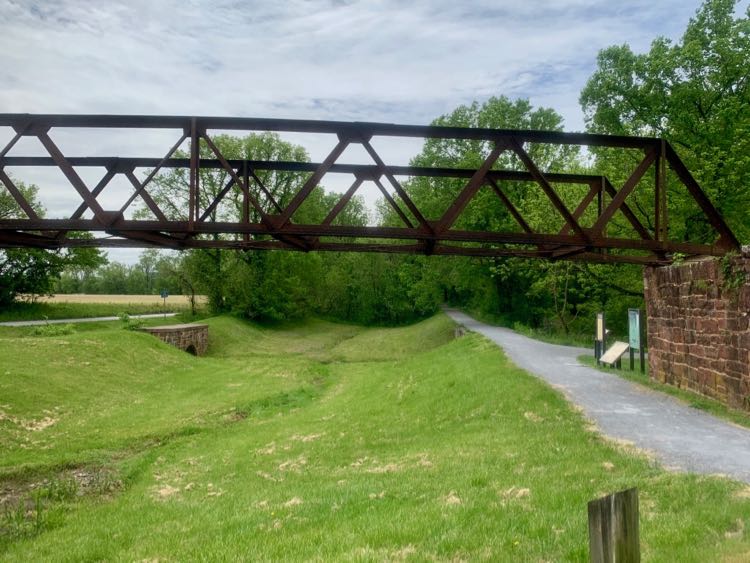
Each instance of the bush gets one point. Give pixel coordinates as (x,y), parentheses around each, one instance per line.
(53,330)
(130,324)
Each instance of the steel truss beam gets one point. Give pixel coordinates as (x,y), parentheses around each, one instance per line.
(275,228)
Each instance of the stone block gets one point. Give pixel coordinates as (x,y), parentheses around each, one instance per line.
(699,333)
(192,338)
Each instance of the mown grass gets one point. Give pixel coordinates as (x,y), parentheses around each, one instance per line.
(693,399)
(323,441)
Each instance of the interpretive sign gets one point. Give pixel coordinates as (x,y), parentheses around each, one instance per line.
(635,332)
(600,327)
(601,335)
(634,328)
(614,353)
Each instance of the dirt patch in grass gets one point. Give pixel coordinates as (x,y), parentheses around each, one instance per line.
(62,485)
(532,416)
(28,507)
(306,438)
(33,424)
(387,468)
(165,491)
(452,499)
(293,465)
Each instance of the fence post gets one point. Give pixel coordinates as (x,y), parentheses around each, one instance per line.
(613,528)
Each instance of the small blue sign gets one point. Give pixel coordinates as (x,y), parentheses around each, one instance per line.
(164,294)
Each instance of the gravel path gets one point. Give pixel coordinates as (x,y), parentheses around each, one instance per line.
(84,320)
(679,436)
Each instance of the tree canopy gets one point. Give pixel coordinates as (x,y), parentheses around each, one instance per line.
(34,271)
(695,93)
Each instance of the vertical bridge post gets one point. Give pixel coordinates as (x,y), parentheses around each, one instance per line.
(613,528)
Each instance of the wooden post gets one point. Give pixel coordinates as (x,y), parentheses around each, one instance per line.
(613,528)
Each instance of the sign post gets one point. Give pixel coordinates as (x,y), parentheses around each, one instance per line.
(635,331)
(164,294)
(601,336)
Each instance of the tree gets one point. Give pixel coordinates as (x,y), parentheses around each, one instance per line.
(255,284)
(485,211)
(696,94)
(34,271)
(519,290)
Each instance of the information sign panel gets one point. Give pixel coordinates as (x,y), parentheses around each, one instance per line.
(634,328)
(614,353)
(600,327)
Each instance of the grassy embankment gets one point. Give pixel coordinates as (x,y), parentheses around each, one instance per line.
(317,440)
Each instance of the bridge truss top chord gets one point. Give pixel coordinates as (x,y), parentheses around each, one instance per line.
(263,222)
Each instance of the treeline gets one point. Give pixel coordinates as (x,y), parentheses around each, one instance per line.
(694,92)
(153,272)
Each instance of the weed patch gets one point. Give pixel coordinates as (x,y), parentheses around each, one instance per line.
(53,330)
(33,506)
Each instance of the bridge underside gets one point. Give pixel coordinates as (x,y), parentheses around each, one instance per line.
(265,221)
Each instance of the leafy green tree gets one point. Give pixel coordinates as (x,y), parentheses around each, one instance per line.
(532,292)
(170,190)
(34,271)
(383,289)
(485,212)
(256,284)
(696,93)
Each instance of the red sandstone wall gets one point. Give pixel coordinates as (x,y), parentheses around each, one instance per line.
(699,328)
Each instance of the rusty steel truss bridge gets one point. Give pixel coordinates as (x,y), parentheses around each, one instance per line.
(266,223)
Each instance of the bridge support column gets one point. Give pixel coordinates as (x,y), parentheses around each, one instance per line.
(698,316)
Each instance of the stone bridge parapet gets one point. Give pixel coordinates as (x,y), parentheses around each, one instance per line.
(192,338)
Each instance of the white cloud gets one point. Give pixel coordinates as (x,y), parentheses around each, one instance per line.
(318,59)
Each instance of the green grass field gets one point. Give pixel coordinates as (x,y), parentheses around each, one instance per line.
(317,441)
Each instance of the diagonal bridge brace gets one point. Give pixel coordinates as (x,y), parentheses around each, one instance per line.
(418,233)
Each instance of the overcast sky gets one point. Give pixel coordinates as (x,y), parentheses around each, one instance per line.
(403,62)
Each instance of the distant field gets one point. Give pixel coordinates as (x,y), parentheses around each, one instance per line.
(82,305)
(317,441)
(179,300)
